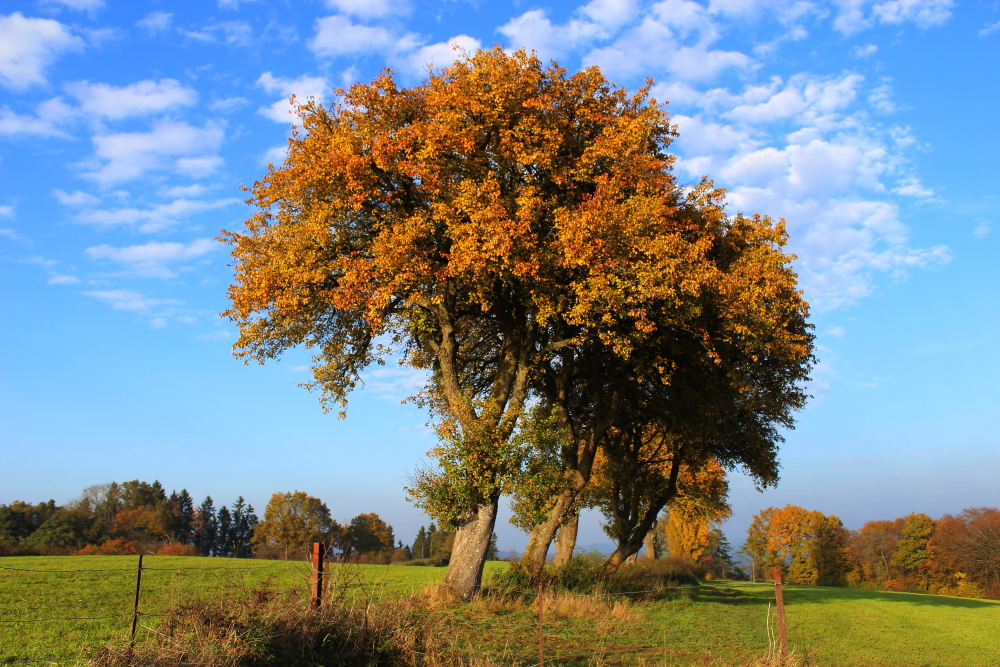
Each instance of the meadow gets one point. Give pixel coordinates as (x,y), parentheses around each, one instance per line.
(722,623)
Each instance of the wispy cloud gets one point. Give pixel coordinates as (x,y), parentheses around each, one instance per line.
(153,259)
(142,98)
(130,301)
(170,146)
(155,218)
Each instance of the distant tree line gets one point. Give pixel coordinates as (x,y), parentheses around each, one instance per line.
(954,555)
(139,517)
(130,517)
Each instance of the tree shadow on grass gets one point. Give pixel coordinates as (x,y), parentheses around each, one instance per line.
(761,595)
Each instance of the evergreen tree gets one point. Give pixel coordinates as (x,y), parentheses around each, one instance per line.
(244,521)
(427,542)
(224,541)
(418,543)
(185,519)
(492,553)
(207,528)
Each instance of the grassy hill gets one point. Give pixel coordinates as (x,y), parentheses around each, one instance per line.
(720,623)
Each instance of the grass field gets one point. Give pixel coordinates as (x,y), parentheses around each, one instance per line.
(720,623)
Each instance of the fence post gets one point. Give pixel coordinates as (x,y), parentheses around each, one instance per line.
(319,551)
(779,598)
(541,637)
(135,609)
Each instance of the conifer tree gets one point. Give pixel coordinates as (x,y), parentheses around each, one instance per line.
(224,541)
(207,529)
(418,543)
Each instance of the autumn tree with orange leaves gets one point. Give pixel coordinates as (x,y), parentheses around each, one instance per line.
(486,226)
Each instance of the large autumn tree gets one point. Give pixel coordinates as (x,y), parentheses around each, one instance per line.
(475,226)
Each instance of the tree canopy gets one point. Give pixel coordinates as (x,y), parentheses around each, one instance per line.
(503,221)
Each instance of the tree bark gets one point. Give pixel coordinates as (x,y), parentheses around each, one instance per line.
(543,534)
(566,539)
(649,543)
(468,556)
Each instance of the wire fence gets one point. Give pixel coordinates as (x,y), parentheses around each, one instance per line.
(93,606)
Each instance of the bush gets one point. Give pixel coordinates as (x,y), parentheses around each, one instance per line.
(263,626)
(117,547)
(585,573)
(177,550)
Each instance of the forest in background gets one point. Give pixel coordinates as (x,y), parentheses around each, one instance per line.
(138,517)
(953,555)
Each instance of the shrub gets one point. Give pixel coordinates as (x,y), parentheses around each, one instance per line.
(177,550)
(116,547)
(263,626)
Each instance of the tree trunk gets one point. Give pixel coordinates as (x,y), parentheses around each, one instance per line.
(566,539)
(543,534)
(649,543)
(472,544)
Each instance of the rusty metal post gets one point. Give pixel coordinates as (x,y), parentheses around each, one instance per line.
(541,637)
(135,609)
(779,597)
(319,551)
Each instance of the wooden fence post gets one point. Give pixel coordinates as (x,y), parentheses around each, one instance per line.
(779,597)
(319,551)
(541,637)
(135,609)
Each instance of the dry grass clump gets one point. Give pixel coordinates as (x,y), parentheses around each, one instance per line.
(263,626)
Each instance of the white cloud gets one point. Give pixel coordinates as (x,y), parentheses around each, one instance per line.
(156,23)
(137,99)
(338,36)
(231,33)
(370,8)
(76,198)
(184,191)
(78,5)
(677,41)
(441,54)
(229,104)
(394,384)
(534,31)
(807,150)
(989,29)
(170,145)
(803,97)
(12,234)
(151,259)
(274,155)
(865,51)
(28,46)
(127,300)
(983,227)
(49,120)
(912,187)
(923,13)
(611,14)
(152,219)
(62,279)
(303,88)
(6,211)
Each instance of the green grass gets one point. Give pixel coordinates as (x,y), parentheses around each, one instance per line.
(724,622)
(108,589)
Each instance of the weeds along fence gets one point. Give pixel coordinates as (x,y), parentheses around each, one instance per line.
(63,616)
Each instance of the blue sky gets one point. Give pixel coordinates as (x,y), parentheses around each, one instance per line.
(126,129)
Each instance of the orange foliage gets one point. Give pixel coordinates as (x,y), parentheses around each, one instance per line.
(177,550)
(116,547)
